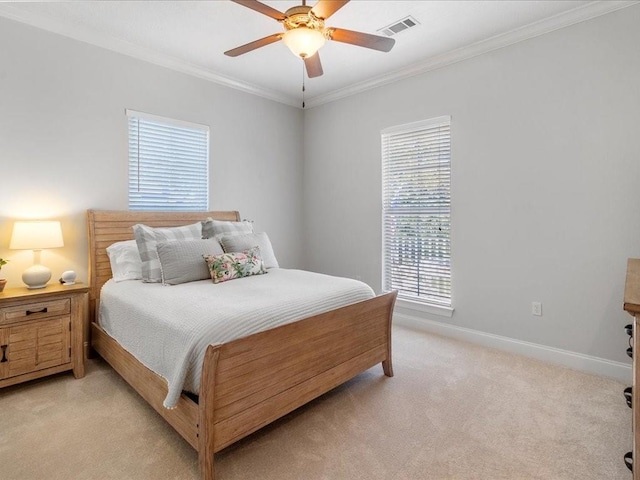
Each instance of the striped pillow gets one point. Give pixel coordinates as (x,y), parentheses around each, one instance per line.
(182,261)
(216,228)
(147,239)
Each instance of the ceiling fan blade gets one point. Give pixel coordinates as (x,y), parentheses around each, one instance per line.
(253,45)
(262,8)
(313,65)
(376,42)
(325,8)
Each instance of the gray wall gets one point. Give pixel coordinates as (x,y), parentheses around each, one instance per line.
(63,142)
(546,161)
(545,182)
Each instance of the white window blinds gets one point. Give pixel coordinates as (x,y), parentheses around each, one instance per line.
(416,194)
(168,164)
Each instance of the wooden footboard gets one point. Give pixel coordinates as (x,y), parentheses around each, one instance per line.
(267,375)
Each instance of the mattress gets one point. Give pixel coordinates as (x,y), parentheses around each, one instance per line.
(168,328)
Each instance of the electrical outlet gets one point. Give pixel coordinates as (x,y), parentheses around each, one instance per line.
(536,309)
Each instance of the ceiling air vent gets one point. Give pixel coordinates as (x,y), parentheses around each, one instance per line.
(399,26)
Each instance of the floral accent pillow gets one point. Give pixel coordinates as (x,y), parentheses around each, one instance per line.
(228,266)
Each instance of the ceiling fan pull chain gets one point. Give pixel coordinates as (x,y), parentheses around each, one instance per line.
(303,89)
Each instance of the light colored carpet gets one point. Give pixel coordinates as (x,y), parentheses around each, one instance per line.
(453,411)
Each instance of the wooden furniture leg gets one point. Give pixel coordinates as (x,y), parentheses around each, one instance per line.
(206,425)
(387,366)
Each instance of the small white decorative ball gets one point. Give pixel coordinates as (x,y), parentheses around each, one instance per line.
(68,277)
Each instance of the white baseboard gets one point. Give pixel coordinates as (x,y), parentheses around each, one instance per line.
(577,361)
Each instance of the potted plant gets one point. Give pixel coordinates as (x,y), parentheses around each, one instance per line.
(3,281)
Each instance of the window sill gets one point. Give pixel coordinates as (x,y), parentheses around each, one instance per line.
(424,307)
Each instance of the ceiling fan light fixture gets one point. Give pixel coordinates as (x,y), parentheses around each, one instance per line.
(304,42)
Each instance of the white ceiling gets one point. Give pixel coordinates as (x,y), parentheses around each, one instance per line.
(191,36)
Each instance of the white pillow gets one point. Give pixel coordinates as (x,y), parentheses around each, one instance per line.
(125,261)
(239,242)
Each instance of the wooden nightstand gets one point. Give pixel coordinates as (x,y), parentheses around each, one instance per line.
(41,332)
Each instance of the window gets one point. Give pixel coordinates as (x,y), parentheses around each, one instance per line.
(168,164)
(416,211)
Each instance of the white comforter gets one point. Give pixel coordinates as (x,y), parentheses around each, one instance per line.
(168,328)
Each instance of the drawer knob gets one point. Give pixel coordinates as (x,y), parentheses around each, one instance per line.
(4,353)
(42,310)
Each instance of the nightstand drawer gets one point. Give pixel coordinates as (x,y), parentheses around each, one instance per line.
(34,311)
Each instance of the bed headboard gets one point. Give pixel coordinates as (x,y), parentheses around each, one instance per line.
(109,226)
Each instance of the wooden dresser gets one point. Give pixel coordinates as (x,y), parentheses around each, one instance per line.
(632,305)
(41,332)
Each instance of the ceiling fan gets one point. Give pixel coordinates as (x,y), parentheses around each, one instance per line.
(305,32)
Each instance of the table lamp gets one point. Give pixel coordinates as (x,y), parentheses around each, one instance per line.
(36,235)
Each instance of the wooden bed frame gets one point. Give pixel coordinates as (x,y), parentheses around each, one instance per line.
(250,382)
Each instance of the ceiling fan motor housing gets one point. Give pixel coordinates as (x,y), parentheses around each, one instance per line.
(302,16)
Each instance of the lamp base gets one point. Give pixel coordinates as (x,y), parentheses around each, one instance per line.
(36,276)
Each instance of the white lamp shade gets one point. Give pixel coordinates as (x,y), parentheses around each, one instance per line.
(303,42)
(36,235)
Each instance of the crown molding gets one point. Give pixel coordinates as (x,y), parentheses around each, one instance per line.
(86,35)
(83,34)
(565,19)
